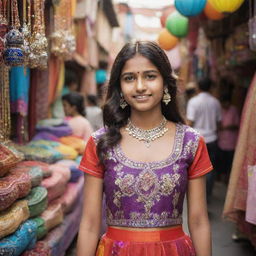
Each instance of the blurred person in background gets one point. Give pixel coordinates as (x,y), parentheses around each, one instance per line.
(204,114)
(74,108)
(93,112)
(227,137)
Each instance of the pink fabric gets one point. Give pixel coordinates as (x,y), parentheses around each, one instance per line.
(56,184)
(80,127)
(228,138)
(72,191)
(251,196)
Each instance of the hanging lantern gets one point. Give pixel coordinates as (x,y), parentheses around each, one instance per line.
(166,40)
(166,12)
(211,13)
(177,24)
(190,7)
(226,6)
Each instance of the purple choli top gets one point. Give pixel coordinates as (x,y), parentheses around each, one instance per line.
(148,194)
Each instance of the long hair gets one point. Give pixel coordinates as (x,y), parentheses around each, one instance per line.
(114,117)
(77,100)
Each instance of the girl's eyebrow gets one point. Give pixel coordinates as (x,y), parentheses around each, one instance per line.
(145,72)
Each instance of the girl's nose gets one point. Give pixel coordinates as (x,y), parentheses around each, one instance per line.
(140,86)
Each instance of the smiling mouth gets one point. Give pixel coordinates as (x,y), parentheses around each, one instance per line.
(141,97)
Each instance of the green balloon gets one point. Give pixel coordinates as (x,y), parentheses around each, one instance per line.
(177,24)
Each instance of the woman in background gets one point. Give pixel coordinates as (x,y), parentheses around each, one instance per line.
(74,109)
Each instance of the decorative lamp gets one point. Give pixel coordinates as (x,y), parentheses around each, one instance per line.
(177,24)
(190,7)
(211,13)
(166,40)
(226,6)
(166,12)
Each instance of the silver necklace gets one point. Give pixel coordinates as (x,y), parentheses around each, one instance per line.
(147,135)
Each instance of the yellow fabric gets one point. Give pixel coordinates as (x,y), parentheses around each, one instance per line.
(74,142)
(68,152)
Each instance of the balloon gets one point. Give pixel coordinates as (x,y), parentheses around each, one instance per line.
(165,14)
(211,13)
(226,6)
(101,76)
(190,7)
(166,40)
(177,24)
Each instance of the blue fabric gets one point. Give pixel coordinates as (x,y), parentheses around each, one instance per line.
(24,238)
(19,89)
(75,174)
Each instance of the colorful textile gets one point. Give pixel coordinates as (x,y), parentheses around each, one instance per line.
(35,173)
(227,138)
(148,194)
(12,187)
(9,157)
(73,166)
(37,201)
(41,249)
(61,237)
(19,89)
(172,241)
(41,229)
(68,199)
(52,216)
(43,166)
(67,151)
(11,218)
(244,156)
(24,238)
(45,136)
(251,196)
(58,130)
(50,122)
(57,183)
(77,143)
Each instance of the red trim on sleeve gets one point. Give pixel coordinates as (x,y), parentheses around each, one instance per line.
(201,163)
(90,162)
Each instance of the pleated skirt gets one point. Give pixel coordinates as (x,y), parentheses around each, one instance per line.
(167,242)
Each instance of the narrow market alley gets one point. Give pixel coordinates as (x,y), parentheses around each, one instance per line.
(112,112)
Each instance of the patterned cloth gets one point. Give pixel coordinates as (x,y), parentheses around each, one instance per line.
(24,238)
(148,194)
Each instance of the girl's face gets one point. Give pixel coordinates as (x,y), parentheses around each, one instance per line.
(142,84)
(68,109)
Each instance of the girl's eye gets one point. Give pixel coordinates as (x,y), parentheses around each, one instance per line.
(150,76)
(129,78)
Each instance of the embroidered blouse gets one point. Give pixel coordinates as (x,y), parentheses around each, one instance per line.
(148,194)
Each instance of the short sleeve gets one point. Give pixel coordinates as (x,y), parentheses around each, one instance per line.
(90,162)
(191,111)
(201,163)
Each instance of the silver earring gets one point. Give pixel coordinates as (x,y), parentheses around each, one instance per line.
(123,104)
(167,97)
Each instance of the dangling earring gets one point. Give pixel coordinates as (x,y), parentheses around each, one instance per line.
(123,104)
(167,97)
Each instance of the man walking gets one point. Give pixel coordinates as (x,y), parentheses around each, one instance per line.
(204,114)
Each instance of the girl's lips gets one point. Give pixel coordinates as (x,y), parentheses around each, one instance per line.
(142,97)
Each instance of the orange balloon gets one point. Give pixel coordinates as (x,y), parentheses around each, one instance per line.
(211,13)
(166,40)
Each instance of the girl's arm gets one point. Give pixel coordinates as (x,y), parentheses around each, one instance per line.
(198,222)
(90,226)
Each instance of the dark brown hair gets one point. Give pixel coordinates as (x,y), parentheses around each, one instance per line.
(114,117)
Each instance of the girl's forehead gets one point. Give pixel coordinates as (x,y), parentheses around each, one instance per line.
(138,63)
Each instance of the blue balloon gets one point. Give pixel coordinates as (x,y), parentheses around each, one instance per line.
(101,76)
(190,7)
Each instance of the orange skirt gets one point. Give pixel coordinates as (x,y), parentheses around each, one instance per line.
(167,242)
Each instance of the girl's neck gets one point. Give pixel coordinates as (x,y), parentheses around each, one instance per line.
(145,120)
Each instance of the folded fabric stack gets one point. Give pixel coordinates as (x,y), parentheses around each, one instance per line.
(41,192)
